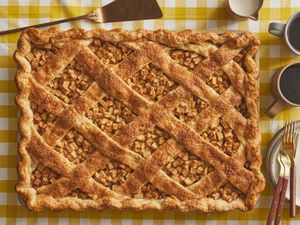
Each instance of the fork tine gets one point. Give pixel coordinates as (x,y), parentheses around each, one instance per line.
(289,131)
(296,143)
(285,132)
(294,131)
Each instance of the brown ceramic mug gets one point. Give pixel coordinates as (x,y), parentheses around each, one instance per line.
(285,88)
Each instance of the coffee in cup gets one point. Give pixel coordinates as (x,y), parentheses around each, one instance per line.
(294,33)
(285,88)
(289,31)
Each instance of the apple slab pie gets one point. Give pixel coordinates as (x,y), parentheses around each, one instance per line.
(138,120)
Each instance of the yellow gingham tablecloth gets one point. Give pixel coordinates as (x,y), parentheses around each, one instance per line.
(178,15)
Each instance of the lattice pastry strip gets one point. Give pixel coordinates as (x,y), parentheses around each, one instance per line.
(208,57)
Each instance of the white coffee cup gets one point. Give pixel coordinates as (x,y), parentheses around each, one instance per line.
(284,30)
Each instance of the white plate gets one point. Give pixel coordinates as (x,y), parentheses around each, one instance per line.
(273,165)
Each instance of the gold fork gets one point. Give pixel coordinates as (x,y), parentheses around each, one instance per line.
(288,145)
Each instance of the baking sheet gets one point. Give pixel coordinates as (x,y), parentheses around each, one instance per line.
(179,15)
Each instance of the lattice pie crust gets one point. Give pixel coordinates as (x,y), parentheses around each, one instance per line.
(138,120)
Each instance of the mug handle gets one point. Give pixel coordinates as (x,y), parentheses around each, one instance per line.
(277,29)
(274,108)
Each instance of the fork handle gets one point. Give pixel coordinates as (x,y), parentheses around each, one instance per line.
(275,201)
(293,192)
(281,201)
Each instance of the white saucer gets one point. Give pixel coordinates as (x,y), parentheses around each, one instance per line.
(273,165)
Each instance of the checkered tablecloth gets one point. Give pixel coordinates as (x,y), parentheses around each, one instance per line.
(178,15)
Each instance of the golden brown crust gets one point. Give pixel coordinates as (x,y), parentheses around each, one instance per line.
(148,47)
